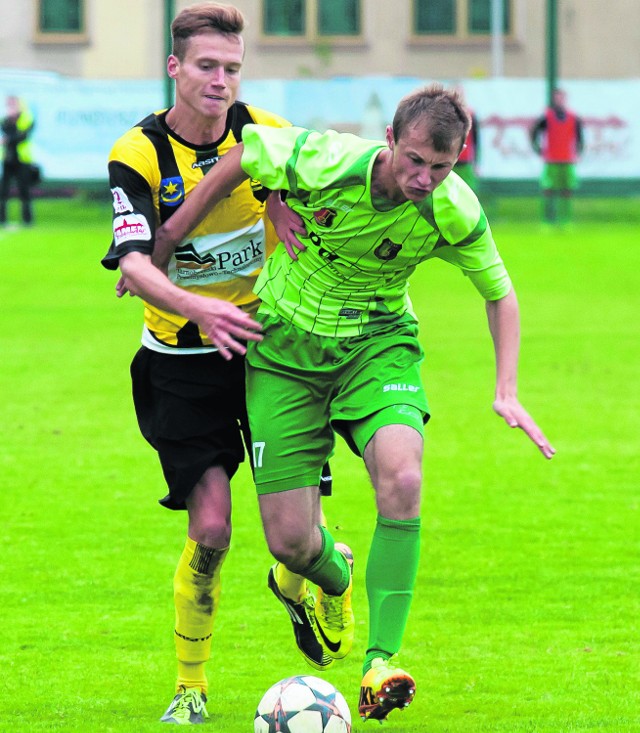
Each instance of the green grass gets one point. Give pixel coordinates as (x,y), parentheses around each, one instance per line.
(526,613)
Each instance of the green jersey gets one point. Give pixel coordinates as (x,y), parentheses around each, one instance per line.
(361,249)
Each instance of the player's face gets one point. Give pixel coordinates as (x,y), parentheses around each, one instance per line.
(559,99)
(418,169)
(208,77)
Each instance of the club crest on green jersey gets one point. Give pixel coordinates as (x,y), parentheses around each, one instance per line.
(388,250)
(324,217)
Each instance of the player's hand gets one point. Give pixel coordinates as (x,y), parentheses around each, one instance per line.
(516,416)
(122,288)
(227,326)
(287,224)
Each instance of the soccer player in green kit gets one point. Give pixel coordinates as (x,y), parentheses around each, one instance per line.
(341,353)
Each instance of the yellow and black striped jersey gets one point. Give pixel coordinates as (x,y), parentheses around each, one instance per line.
(151,172)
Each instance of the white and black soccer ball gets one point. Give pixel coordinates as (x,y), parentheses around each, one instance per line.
(302,704)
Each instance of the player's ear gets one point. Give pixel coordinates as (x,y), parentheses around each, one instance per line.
(389,137)
(173,66)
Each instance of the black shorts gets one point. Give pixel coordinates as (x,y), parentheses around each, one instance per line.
(192,410)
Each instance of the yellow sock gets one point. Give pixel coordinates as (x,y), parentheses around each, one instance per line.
(291,585)
(196,587)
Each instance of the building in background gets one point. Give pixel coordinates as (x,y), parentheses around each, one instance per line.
(92,68)
(293,39)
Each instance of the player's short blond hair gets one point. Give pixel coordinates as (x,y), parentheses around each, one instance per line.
(446,118)
(203,18)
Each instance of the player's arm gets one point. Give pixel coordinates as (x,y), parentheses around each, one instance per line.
(133,239)
(218,183)
(224,323)
(579,136)
(504,325)
(539,126)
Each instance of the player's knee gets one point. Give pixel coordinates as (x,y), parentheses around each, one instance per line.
(294,551)
(398,495)
(211,530)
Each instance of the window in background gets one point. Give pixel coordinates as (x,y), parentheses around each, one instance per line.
(435,17)
(284,17)
(338,17)
(479,18)
(61,17)
(460,19)
(311,19)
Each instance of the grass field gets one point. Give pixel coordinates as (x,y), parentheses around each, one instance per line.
(527,611)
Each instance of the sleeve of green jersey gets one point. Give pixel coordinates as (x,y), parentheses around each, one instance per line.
(466,240)
(298,160)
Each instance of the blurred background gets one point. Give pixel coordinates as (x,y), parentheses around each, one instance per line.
(89,69)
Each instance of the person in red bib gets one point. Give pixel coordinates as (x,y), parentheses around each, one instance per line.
(558,137)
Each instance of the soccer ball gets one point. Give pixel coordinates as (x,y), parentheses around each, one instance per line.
(302,704)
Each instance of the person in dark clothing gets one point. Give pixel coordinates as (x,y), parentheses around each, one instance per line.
(17,127)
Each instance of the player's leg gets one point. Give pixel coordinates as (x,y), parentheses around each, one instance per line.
(334,613)
(298,508)
(188,408)
(291,441)
(197,577)
(289,587)
(292,584)
(5,189)
(196,588)
(298,540)
(567,184)
(393,457)
(548,186)
(24,192)
(384,388)
(293,591)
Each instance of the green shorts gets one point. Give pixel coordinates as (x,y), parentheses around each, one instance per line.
(302,387)
(559,177)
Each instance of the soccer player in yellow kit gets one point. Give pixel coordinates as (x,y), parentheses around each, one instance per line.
(189,393)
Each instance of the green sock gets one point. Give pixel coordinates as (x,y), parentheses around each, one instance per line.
(330,569)
(391,575)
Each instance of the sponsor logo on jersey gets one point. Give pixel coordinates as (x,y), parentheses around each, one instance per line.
(388,250)
(334,203)
(400,388)
(324,217)
(172,191)
(208,161)
(223,263)
(351,313)
(324,253)
(130,227)
(121,201)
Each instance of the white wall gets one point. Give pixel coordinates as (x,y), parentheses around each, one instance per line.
(78,120)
